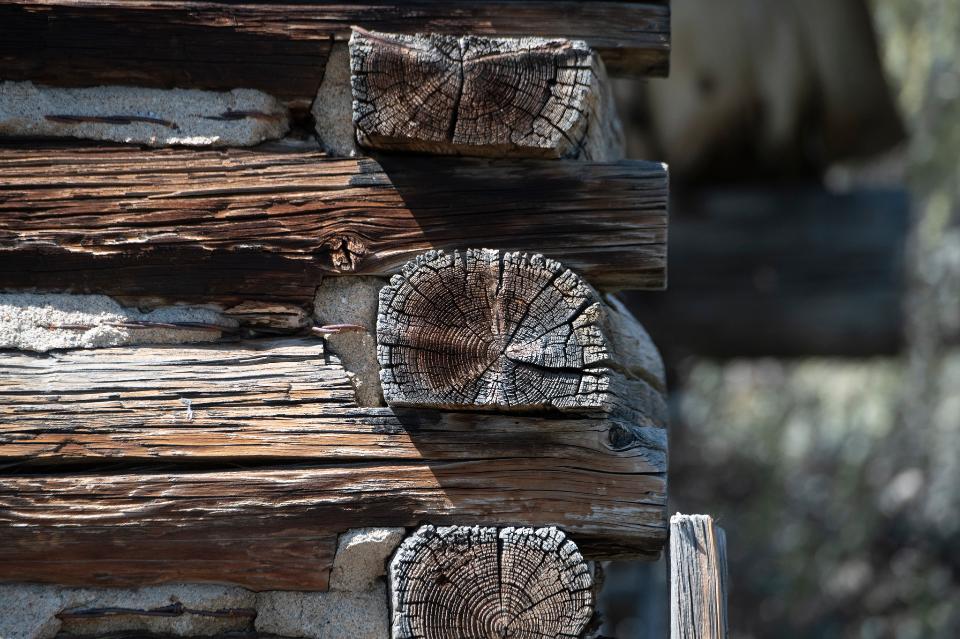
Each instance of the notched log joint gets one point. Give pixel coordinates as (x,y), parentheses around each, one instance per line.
(523,97)
(492,330)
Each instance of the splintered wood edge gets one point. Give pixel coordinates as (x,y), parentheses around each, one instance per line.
(698,578)
(485,581)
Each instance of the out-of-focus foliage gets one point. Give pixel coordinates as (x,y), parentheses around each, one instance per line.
(839,482)
(824,495)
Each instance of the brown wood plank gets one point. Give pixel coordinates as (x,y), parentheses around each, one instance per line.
(275,529)
(229,226)
(109,477)
(254,553)
(282,48)
(269,400)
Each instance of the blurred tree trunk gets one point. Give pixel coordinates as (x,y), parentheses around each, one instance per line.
(762,88)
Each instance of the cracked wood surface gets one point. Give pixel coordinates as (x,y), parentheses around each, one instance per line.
(283,48)
(485,329)
(517,97)
(241,462)
(698,578)
(489,583)
(266,225)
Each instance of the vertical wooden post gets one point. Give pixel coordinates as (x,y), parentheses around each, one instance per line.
(698,578)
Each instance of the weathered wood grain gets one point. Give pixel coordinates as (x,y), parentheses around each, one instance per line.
(489,583)
(241,225)
(273,528)
(698,578)
(469,95)
(263,401)
(282,48)
(487,329)
(782,272)
(241,463)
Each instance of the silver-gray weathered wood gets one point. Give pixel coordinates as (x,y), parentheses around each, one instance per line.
(485,329)
(489,583)
(241,462)
(698,578)
(470,95)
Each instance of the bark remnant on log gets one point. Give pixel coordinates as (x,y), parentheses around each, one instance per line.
(489,583)
(698,578)
(265,225)
(510,331)
(469,95)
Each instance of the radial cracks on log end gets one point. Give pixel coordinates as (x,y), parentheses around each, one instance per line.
(425,109)
(487,329)
(490,583)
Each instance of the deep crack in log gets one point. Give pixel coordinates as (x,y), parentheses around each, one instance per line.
(492,330)
(485,583)
(523,97)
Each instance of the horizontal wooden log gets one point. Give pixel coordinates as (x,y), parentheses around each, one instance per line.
(238,225)
(282,49)
(495,97)
(241,463)
(265,401)
(786,272)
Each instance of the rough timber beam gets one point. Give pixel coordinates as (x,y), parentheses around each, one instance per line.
(282,48)
(242,462)
(515,97)
(238,225)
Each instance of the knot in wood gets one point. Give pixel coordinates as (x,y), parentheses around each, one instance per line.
(485,583)
(472,95)
(491,330)
(343,252)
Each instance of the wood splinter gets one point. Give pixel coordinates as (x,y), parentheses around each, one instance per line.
(485,583)
(516,97)
(492,330)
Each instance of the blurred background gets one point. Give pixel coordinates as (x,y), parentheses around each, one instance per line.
(812,324)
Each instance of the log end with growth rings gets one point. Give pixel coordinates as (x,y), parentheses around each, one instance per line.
(471,95)
(489,583)
(485,329)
